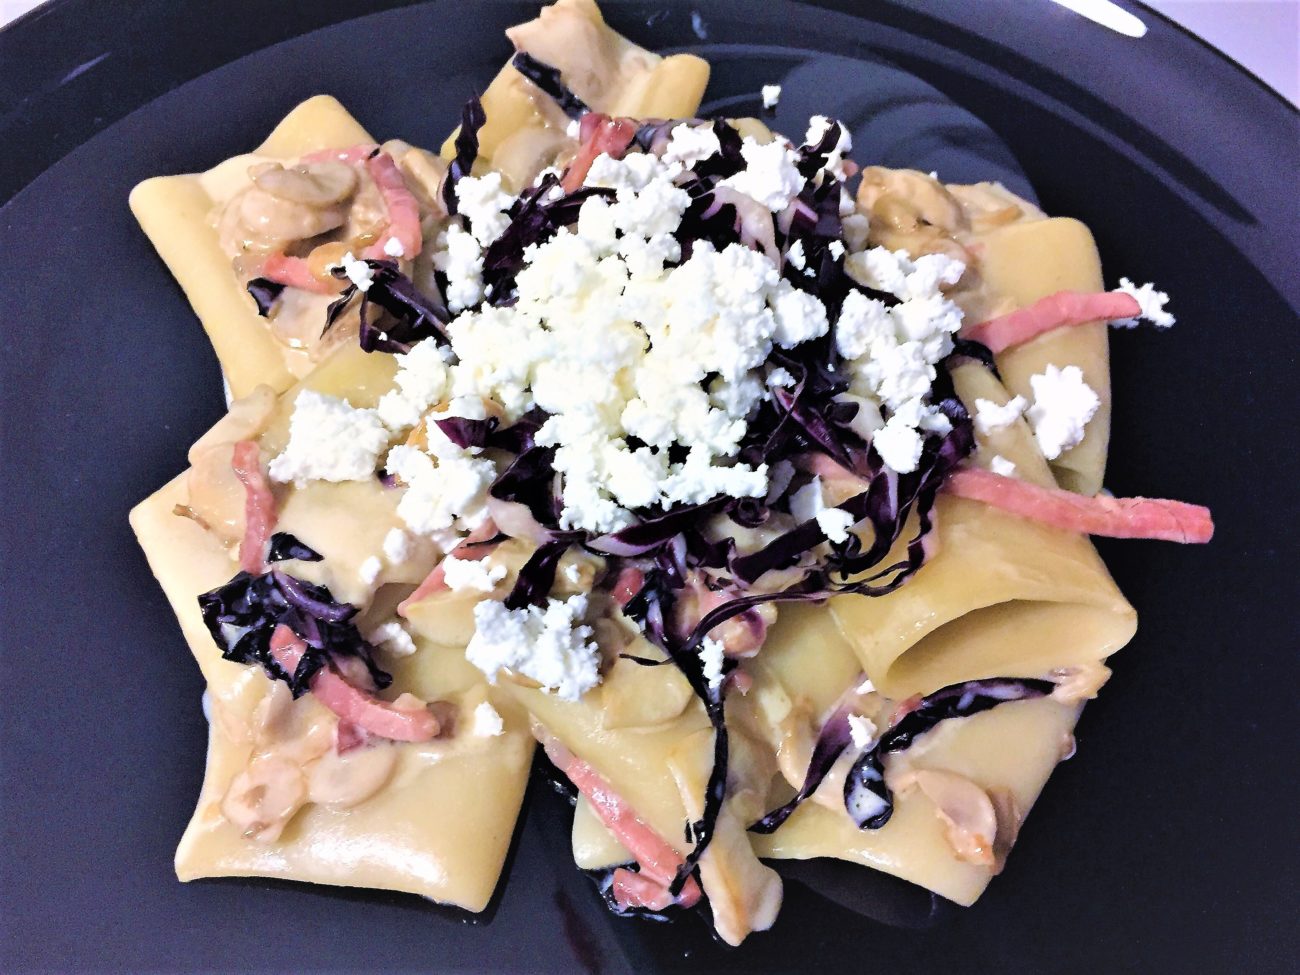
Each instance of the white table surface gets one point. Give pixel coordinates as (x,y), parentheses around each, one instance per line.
(1263,35)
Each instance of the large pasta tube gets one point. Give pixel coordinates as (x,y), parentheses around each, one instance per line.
(603,68)
(176,212)
(1007,753)
(804,670)
(1023,262)
(1000,596)
(432,818)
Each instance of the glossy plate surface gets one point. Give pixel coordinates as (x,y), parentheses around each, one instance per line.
(1166,844)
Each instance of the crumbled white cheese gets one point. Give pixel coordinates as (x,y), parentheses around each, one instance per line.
(358,271)
(799,317)
(392,638)
(899,445)
(549,645)
(797,258)
(780,376)
(1000,465)
(893,351)
(397,546)
(482,201)
(1063,405)
(836,249)
(451,493)
(835,524)
(770,175)
(1150,301)
(990,416)
(807,504)
(689,144)
(866,687)
(459,256)
(633,173)
(479,575)
(711,656)
(855,225)
(487,722)
(771,95)
(863,322)
(393,247)
(422,380)
(329,440)
(862,730)
(369,570)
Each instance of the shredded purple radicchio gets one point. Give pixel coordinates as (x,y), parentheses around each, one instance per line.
(266,293)
(538,574)
(243,614)
(530,480)
(834,738)
(416,316)
(466,433)
(285,546)
(548,79)
(472,118)
(970,349)
(866,796)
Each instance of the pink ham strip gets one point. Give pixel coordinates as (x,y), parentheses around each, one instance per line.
(599,134)
(353,155)
(259,506)
(470,550)
(403,211)
(627,584)
(295,272)
(632,889)
(659,862)
(1046,314)
(1171,521)
(351,704)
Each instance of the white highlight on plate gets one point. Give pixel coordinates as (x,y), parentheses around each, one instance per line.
(1108,15)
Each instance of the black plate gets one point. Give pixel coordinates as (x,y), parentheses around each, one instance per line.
(1167,844)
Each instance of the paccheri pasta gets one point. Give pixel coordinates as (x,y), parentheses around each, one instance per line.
(761,504)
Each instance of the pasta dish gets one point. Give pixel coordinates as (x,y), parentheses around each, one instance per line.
(745,483)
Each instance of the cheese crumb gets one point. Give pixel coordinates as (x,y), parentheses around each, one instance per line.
(459,255)
(393,247)
(899,444)
(862,730)
(397,546)
(487,722)
(866,687)
(329,440)
(711,655)
(1150,301)
(771,175)
(807,504)
(547,644)
(989,416)
(771,95)
(1063,405)
(689,144)
(479,575)
(393,638)
(482,201)
(358,272)
(1000,465)
(369,570)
